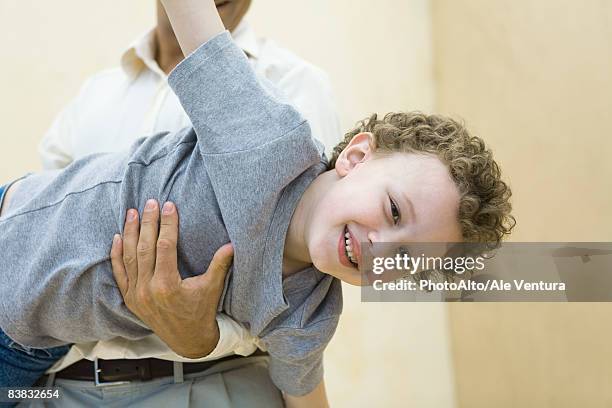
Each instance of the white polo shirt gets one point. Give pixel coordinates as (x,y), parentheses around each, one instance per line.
(117,106)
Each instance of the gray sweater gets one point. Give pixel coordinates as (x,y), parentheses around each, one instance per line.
(237,176)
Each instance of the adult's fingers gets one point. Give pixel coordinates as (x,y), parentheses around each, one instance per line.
(167,262)
(119,271)
(218,268)
(130,242)
(149,227)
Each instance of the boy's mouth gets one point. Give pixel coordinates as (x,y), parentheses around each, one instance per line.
(348,249)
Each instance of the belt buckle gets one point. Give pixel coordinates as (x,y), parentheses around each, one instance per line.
(98,383)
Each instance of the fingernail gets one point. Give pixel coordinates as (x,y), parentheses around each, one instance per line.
(116,239)
(131,215)
(168,208)
(150,205)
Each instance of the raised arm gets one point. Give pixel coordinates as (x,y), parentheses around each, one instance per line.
(194,22)
(246,130)
(317,398)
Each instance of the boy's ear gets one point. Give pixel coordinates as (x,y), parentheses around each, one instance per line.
(359,150)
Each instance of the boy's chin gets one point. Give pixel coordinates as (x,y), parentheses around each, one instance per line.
(352,277)
(347,275)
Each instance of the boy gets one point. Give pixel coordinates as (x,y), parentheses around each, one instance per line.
(409,177)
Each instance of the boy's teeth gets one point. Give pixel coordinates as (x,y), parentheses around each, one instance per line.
(349,247)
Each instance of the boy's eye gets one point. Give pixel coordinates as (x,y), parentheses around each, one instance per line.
(394,212)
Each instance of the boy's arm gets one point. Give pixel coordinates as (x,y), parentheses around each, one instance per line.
(317,398)
(247,133)
(194,22)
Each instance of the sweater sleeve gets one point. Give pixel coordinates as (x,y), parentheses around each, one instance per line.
(253,142)
(231,109)
(296,356)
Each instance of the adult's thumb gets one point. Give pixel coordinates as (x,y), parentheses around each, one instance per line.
(221,262)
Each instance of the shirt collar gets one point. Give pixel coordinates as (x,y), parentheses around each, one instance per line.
(141,53)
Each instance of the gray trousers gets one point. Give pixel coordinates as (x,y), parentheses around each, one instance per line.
(241,382)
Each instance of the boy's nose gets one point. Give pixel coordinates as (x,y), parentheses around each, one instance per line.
(383,244)
(373,237)
(378,237)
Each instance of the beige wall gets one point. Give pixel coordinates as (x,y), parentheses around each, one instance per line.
(48,49)
(379,57)
(534,79)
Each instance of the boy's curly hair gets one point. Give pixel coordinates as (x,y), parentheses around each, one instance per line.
(484,207)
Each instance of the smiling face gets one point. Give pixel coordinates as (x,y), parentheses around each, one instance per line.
(232,11)
(371,198)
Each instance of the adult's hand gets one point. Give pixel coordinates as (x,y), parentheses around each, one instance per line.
(182,312)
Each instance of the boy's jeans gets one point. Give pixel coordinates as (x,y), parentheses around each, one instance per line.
(2,188)
(21,366)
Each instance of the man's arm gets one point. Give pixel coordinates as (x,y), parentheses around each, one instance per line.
(194,22)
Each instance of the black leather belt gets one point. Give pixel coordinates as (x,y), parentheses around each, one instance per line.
(145,369)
